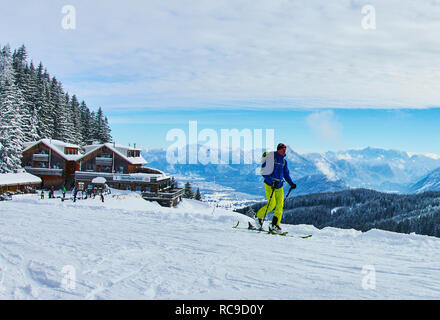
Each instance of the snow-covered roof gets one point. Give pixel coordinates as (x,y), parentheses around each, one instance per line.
(158,177)
(21,178)
(156,171)
(99,180)
(57,146)
(120,150)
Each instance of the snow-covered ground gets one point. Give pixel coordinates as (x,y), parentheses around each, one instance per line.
(127,248)
(219,195)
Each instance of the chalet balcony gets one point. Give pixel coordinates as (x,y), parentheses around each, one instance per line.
(90,175)
(45,171)
(110,177)
(163,195)
(114,177)
(40,157)
(100,161)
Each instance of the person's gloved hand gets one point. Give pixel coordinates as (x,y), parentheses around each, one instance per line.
(293,186)
(275,184)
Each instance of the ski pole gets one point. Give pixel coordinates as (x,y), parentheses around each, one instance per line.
(267,207)
(288,193)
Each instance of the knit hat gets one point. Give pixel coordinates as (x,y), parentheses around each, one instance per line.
(281,146)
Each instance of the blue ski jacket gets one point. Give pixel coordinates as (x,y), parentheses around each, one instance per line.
(280,172)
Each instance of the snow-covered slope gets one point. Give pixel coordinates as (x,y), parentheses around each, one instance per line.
(127,248)
(428,183)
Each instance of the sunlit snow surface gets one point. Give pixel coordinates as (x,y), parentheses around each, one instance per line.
(128,248)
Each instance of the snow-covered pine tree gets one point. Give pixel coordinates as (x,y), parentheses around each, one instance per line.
(93,126)
(11,106)
(86,123)
(198,196)
(2,156)
(26,83)
(35,106)
(31,96)
(107,137)
(19,63)
(187,192)
(67,113)
(59,117)
(102,132)
(76,120)
(45,107)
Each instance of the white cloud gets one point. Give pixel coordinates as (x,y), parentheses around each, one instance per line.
(326,170)
(325,125)
(289,53)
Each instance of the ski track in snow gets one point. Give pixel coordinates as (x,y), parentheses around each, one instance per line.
(133,249)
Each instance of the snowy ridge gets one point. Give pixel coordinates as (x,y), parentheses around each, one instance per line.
(127,248)
(428,183)
(372,168)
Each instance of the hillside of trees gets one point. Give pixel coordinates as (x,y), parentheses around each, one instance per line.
(363,209)
(34,105)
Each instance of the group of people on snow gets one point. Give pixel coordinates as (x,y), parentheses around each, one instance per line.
(87,194)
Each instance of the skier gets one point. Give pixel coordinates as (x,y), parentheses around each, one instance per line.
(42,194)
(64,192)
(274,171)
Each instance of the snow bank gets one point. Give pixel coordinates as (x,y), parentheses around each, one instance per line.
(128,248)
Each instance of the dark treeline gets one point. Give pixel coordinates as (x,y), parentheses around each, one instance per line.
(363,209)
(34,105)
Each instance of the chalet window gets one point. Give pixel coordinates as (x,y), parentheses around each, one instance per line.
(138,188)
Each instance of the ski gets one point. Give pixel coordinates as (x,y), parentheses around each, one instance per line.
(251,228)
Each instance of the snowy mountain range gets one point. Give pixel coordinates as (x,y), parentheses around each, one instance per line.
(372,168)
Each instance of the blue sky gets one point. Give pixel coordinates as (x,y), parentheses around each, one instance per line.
(306,68)
(304,130)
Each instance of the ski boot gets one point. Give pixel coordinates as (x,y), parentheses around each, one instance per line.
(274,227)
(258,223)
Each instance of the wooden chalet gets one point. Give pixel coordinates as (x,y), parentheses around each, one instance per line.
(122,168)
(54,161)
(61,164)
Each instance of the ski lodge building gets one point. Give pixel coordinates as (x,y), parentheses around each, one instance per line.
(18,182)
(54,161)
(61,164)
